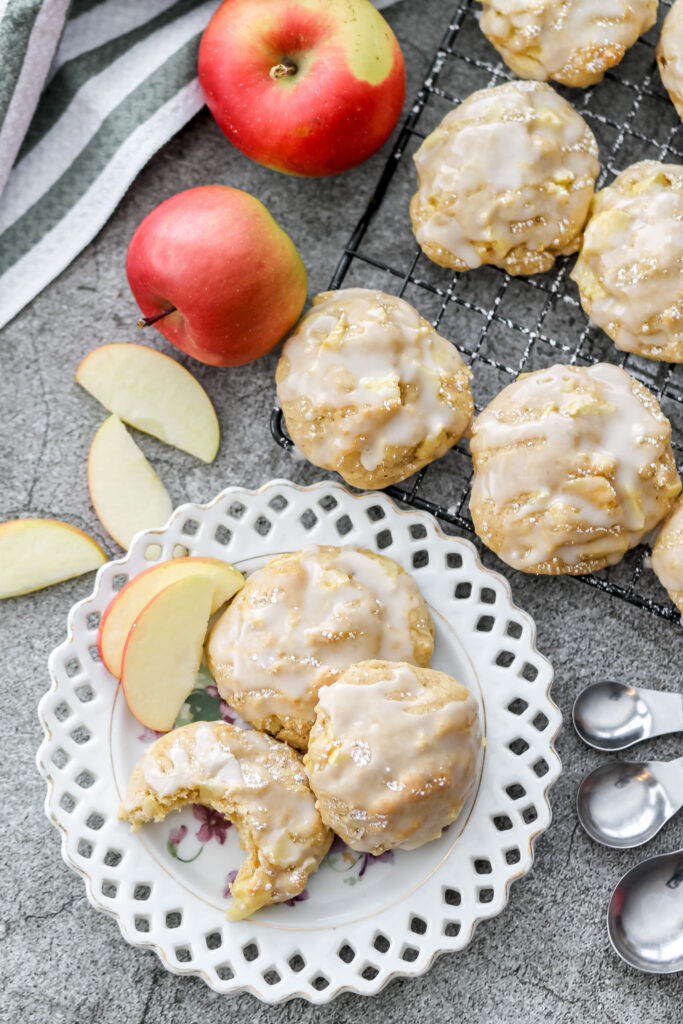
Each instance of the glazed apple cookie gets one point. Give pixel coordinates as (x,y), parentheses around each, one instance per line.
(301,620)
(572,466)
(257,783)
(369,389)
(507,179)
(393,754)
(670,55)
(630,268)
(667,554)
(573,42)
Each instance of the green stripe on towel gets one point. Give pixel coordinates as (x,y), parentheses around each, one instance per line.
(15,31)
(75,73)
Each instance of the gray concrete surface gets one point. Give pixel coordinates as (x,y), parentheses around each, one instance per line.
(547,957)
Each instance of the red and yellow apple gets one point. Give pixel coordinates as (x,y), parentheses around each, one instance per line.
(309,87)
(216,275)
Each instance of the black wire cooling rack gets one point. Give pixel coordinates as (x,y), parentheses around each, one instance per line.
(506,325)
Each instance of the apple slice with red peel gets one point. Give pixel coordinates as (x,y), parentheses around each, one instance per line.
(164,650)
(126,605)
(126,493)
(152,392)
(35,553)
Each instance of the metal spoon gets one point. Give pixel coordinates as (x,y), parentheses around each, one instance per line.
(625,803)
(612,716)
(645,915)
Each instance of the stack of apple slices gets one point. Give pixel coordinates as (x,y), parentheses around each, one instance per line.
(152,634)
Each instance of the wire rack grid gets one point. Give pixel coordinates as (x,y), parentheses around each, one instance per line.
(506,325)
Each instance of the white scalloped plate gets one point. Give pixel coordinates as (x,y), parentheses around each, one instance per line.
(362,920)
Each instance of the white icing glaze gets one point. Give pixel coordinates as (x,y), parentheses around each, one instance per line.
(375,358)
(630,270)
(568,467)
(506,178)
(220,765)
(667,553)
(302,619)
(570,41)
(670,55)
(164,781)
(400,760)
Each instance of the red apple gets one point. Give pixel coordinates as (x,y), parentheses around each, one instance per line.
(232,279)
(308,87)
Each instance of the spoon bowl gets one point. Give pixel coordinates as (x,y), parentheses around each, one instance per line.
(612,716)
(645,915)
(623,804)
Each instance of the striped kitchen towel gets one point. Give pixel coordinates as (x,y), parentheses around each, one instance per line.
(89,91)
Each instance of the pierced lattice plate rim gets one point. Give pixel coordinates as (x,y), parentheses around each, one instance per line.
(389,922)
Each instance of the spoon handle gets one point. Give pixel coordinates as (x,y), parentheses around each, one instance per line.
(670,775)
(666,709)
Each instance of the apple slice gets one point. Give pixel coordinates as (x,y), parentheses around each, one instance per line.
(164,649)
(153,393)
(35,553)
(126,493)
(125,606)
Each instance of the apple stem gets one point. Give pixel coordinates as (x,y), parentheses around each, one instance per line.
(282,70)
(147,321)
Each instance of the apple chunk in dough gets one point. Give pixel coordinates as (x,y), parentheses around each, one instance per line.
(126,493)
(126,605)
(164,649)
(35,553)
(152,392)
